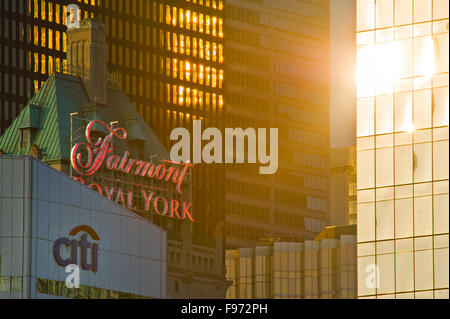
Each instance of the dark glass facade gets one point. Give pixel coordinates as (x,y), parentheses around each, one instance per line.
(168,56)
(277,63)
(33,43)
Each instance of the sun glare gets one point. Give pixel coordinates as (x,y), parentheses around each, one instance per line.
(378,67)
(409,127)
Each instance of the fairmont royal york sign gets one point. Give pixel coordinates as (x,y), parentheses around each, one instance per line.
(88,158)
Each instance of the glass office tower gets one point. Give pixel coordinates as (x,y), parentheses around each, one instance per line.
(168,58)
(32,43)
(277,64)
(402,148)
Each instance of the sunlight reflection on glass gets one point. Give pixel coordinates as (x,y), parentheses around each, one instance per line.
(378,67)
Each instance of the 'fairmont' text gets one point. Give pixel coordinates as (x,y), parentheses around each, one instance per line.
(87,158)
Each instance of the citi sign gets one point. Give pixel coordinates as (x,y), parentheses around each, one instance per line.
(82,245)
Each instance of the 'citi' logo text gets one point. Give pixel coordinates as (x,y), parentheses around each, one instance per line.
(73,244)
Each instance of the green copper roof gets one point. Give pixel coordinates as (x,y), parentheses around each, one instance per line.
(49,112)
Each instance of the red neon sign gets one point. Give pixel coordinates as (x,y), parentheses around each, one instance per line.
(99,153)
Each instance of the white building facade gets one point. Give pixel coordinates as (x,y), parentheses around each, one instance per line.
(48,221)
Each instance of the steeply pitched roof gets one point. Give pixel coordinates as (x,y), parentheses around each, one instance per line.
(64,94)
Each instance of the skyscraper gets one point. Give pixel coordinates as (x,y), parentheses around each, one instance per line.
(402,148)
(277,63)
(168,56)
(32,43)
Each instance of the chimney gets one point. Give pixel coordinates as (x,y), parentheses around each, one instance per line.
(86,57)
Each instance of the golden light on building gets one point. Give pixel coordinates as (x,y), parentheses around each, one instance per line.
(427,65)
(188,70)
(381,65)
(174,16)
(200,74)
(214,22)
(181,19)
(180,95)
(188,99)
(200,23)
(181,44)
(188,19)
(194,93)
(208,24)
(403,148)
(194,21)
